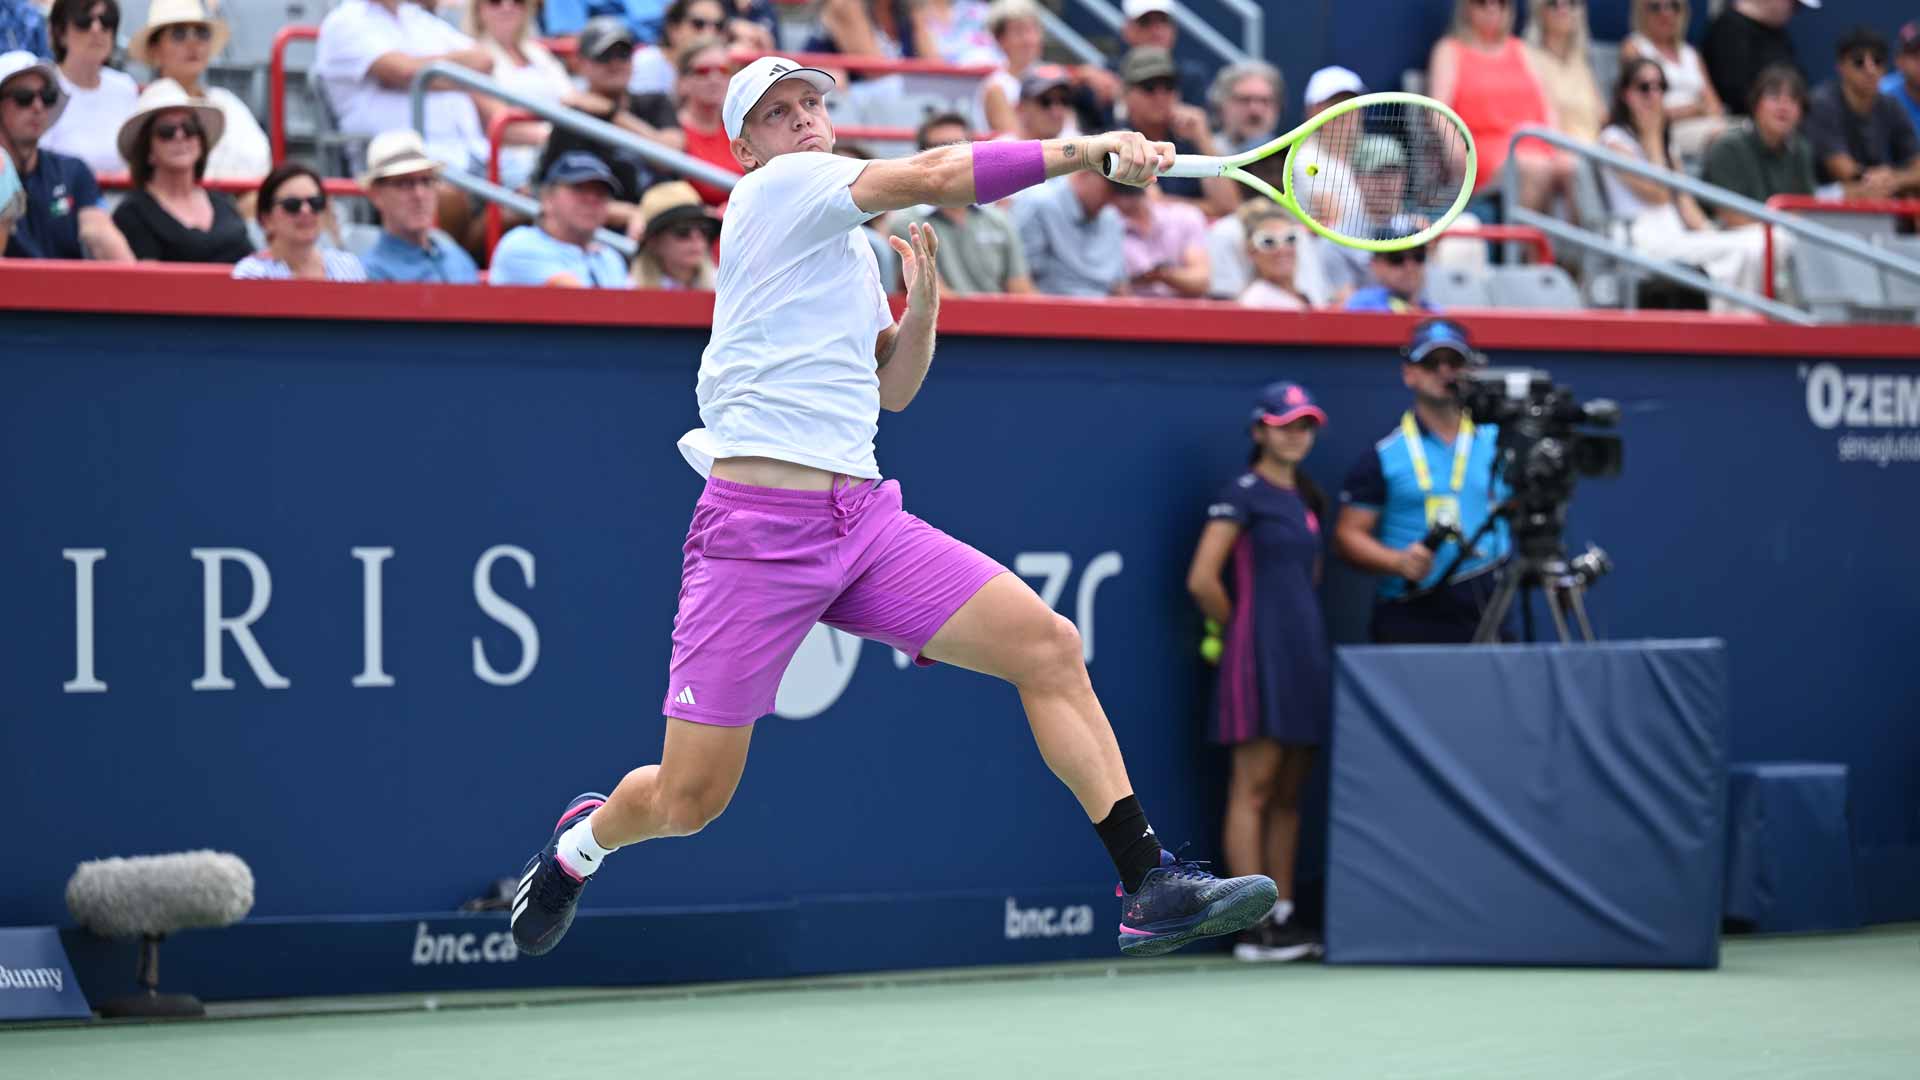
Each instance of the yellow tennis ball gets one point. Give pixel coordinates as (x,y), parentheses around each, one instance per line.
(1312,169)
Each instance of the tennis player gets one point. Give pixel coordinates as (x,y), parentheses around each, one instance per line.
(796,527)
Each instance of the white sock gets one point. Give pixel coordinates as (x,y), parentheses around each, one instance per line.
(578,849)
(1282,911)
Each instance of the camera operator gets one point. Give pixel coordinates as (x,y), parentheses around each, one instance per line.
(1409,501)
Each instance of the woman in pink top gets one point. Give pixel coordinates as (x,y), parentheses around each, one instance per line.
(1482,70)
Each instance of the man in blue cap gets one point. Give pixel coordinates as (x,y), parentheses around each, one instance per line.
(560,248)
(1432,472)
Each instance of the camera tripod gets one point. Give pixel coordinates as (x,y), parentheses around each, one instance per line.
(1561,582)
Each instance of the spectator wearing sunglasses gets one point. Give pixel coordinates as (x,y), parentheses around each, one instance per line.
(1155,110)
(1149,24)
(1862,139)
(1747,38)
(98,97)
(654,68)
(1275,242)
(168,216)
(23,29)
(676,249)
(1046,106)
(1660,221)
(179,40)
(705,68)
(64,218)
(292,208)
(401,181)
(1695,110)
(605,55)
(1399,284)
(1485,73)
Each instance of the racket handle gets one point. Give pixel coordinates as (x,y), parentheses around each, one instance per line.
(1199,165)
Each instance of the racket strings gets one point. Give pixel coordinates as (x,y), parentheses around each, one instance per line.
(1384,171)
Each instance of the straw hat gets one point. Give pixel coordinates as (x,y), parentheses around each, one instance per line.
(672,203)
(165,94)
(164,13)
(396,153)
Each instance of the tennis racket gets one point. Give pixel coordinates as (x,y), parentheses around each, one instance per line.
(1379,172)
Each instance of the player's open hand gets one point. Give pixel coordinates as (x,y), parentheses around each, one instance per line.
(1129,158)
(917,267)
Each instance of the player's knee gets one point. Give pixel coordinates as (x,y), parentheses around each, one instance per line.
(1057,651)
(688,809)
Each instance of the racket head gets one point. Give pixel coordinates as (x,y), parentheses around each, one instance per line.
(1378,172)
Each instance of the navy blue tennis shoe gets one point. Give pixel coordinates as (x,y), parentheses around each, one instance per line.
(1179,902)
(549,893)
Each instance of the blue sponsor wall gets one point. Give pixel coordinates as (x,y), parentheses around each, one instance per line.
(552,449)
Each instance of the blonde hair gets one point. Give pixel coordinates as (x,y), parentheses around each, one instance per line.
(1636,19)
(649,274)
(470,22)
(1462,27)
(1582,35)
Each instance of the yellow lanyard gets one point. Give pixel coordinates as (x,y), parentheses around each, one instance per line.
(1462,449)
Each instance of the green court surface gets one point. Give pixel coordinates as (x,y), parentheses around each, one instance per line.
(1843,1006)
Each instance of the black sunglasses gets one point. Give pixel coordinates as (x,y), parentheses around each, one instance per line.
(614,54)
(703,24)
(1442,358)
(101,20)
(188,128)
(1651,87)
(293,204)
(46,95)
(1401,258)
(182,32)
(1156,86)
(1054,101)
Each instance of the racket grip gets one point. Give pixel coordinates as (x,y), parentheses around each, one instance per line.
(1199,165)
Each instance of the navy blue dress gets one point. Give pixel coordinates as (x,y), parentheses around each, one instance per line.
(1276,676)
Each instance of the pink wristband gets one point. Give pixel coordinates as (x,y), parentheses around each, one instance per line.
(1002,168)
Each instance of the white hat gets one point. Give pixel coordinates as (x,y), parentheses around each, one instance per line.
(167,94)
(752,82)
(164,13)
(1329,81)
(1133,9)
(396,153)
(19,62)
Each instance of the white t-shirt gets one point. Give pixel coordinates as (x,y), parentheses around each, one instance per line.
(89,129)
(243,152)
(357,33)
(789,372)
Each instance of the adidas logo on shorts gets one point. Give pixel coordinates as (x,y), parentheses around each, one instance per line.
(685,697)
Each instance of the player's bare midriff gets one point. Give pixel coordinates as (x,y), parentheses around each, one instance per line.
(774,473)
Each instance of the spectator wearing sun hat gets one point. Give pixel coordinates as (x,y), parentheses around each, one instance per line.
(402,181)
(179,40)
(169,216)
(64,218)
(676,249)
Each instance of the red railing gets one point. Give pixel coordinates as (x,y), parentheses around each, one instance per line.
(336,186)
(277,84)
(496,129)
(1518,234)
(1905,208)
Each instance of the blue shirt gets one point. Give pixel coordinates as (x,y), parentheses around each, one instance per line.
(1380,298)
(58,188)
(529,256)
(1387,481)
(23,27)
(442,261)
(1894,85)
(646,18)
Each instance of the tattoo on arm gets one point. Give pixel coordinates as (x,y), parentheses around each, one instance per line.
(1069,150)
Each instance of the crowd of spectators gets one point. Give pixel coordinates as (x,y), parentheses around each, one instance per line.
(1733,109)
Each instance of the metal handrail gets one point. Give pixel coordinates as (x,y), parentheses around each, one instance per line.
(1183,18)
(1708,193)
(562,117)
(1906,208)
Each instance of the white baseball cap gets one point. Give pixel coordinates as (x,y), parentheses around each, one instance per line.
(1133,9)
(752,82)
(1329,81)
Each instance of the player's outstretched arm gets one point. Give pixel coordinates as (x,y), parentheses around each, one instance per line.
(967,173)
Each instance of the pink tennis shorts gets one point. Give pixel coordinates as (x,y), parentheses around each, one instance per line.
(762,565)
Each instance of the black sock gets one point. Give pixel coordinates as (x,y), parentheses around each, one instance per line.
(1130,842)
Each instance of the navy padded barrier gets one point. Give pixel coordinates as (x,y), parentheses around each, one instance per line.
(1528,805)
(1789,848)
